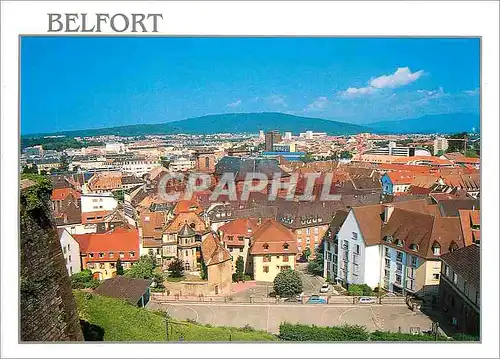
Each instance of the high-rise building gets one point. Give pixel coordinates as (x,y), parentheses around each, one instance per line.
(261,135)
(272,137)
(440,144)
(288,136)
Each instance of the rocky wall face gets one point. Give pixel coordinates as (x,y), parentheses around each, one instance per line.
(48,308)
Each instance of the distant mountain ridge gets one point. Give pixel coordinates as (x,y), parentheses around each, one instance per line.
(445,123)
(253,122)
(229,123)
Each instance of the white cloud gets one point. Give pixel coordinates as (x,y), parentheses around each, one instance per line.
(402,76)
(472,92)
(359,91)
(277,100)
(234,104)
(317,105)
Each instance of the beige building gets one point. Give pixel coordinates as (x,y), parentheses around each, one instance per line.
(218,263)
(272,249)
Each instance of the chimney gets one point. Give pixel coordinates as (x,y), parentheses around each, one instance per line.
(388,209)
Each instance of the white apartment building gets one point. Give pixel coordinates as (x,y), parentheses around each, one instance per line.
(115,147)
(70,250)
(92,202)
(182,164)
(139,167)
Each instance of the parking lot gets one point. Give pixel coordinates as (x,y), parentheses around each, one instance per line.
(269,316)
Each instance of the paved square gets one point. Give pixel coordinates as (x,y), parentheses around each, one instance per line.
(269,317)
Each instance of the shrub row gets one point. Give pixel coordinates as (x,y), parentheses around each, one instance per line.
(346,333)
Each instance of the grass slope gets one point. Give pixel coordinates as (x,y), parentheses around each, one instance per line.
(123,322)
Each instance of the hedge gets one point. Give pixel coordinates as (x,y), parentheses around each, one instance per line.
(346,333)
(305,333)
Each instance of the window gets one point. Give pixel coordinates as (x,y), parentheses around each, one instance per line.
(240,238)
(266,259)
(265,269)
(241,249)
(399,267)
(413,261)
(399,256)
(316,230)
(356,249)
(285,258)
(112,265)
(387,263)
(328,246)
(68,247)
(386,274)
(455,278)
(187,253)
(414,247)
(435,276)
(355,269)
(398,278)
(230,238)
(90,265)
(111,254)
(91,255)
(285,246)
(447,271)
(354,235)
(299,231)
(64,250)
(387,253)
(436,249)
(69,258)
(101,265)
(70,271)
(399,243)
(132,253)
(308,231)
(122,255)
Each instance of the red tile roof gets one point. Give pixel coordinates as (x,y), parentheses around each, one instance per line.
(190,218)
(273,238)
(187,206)
(212,251)
(152,224)
(110,244)
(241,227)
(468,219)
(59,194)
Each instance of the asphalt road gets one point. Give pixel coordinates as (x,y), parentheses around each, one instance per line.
(269,317)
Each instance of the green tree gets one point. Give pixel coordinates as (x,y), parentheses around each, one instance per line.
(345,155)
(119,267)
(33,169)
(143,269)
(456,146)
(118,195)
(471,153)
(306,253)
(307,158)
(43,172)
(64,163)
(83,279)
(203,270)
(316,265)
(287,283)
(165,162)
(240,269)
(176,268)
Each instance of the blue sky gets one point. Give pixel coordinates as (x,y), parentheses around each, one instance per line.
(81,82)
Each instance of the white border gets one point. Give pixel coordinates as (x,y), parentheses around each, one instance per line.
(263,18)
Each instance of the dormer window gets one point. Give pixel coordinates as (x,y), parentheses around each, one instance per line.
(111,254)
(399,243)
(436,249)
(266,246)
(388,239)
(132,254)
(101,255)
(414,247)
(453,247)
(285,246)
(91,255)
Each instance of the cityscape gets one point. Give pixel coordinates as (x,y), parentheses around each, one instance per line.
(258,223)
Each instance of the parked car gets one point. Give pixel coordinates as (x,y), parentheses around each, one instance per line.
(315,299)
(367,300)
(325,288)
